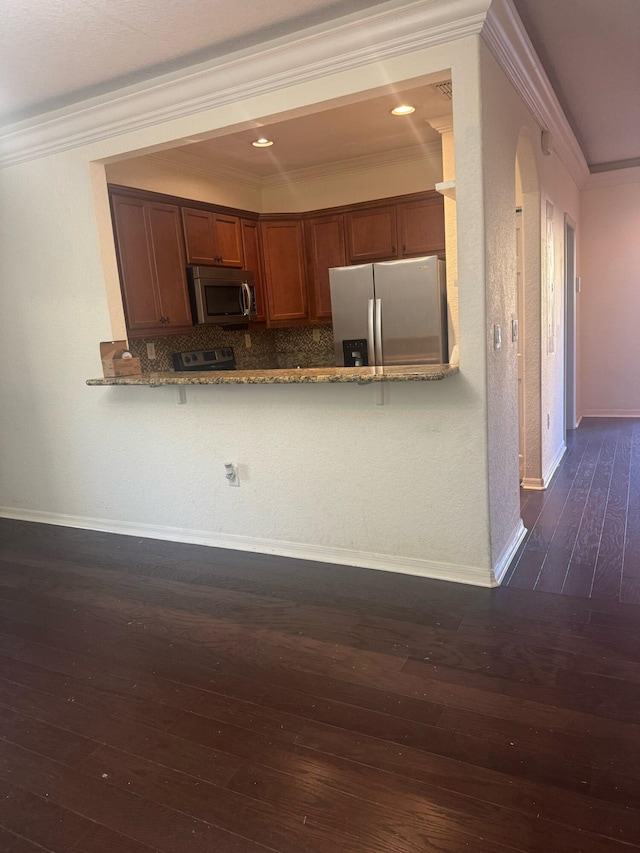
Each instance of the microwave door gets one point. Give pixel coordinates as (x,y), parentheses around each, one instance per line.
(223,301)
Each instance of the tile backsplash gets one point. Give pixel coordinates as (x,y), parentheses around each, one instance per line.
(305,346)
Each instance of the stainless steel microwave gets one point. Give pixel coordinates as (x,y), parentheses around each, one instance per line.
(221,295)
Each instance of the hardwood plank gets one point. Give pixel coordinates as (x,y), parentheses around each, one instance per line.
(103,840)
(89,799)
(38,819)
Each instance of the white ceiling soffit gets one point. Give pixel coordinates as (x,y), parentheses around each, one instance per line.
(383,31)
(507,39)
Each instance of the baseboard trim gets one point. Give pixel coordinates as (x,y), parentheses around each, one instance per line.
(554,465)
(532,483)
(508,554)
(612,413)
(316,553)
(541,483)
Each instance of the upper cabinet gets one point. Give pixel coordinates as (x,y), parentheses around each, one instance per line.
(253,262)
(212,238)
(325,248)
(284,267)
(401,230)
(152,266)
(421,226)
(290,255)
(371,234)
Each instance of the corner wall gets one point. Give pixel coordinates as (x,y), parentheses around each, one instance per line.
(504,115)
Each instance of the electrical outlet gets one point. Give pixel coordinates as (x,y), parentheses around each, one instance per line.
(316,335)
(231,473)
(151,352)
(247,341)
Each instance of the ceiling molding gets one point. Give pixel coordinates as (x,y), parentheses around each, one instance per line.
(384,32)
(615,164)
(616,177)
(183,161)
(195,165)
(354,164)
(508,41)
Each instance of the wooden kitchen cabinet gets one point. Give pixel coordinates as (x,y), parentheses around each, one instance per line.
(371,234)
(212,238)
(325,247)
(284,267)
(421,227)
(253,262)
(152,265)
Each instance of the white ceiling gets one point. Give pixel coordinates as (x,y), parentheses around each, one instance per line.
(365,128)
(590,50)
(56,52)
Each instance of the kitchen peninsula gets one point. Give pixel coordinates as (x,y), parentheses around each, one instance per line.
(358,375)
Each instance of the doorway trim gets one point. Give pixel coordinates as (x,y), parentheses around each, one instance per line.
(570,363)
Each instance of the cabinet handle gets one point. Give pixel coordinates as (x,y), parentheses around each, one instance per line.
(404,250)
(393,250)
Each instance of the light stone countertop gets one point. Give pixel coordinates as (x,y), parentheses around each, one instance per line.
(305,375)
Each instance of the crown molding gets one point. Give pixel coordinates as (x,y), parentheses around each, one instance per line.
(616,177)
(182,161)
(384,32)
(354,164)
(614,164)
(443,124)
(195,165)
(509,43)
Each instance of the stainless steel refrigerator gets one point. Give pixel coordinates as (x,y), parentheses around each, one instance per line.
(393,312)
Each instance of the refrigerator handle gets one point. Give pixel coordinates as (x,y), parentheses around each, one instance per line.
(378,336)
(370,332)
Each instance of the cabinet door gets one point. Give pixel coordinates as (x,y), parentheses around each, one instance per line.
(170,265)
(198,236)
(228,240)
(325,249)
(283,248)
(371,234)
(137,270)
(252,262)
(421,227)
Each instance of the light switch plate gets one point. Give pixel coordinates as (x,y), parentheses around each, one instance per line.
(497,336)
(151,351)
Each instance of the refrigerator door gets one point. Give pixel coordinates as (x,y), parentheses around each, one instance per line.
(352,308)
(412,311)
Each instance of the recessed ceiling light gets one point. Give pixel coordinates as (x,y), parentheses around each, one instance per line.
(403,110)
(263,142)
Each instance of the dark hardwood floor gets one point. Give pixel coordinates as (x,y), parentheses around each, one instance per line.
(180,699)
(584,530)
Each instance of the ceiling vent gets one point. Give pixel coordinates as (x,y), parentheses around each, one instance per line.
(445,88)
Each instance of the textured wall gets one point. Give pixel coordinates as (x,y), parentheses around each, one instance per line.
(504,118)
(610,297)
(321,466)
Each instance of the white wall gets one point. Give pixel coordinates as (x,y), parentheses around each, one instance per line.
(155,174)
(353,182)
(610,295)
(325,472)
(504,117)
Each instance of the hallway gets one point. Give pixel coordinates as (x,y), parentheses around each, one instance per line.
(584,531)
